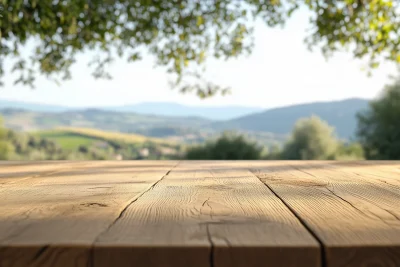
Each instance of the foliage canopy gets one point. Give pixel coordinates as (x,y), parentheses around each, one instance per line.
(181,34)
(4,146)
(312,138)
(227,147)
(379,125)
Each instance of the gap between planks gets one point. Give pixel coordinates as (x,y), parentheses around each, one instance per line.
(224,238)
(243,224)
(43,251)
(373,237)
(91,259)
(338,183)
(304,223)
(133,201)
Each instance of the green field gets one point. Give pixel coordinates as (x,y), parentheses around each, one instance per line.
(72,138)
(127,127)
(65,139)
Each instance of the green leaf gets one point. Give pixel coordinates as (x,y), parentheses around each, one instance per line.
(72,28)
(163,27)
(200,20)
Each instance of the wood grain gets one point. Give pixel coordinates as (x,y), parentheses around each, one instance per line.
(54,220)
(207,214)
(13,171)
(200,213)
(387,172)
(356,217)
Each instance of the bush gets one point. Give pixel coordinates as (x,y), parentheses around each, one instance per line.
(5,147)
(227,147)
(311,139)
(352,151)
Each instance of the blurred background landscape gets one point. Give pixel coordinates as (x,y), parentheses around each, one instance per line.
(306,80)
(169,131)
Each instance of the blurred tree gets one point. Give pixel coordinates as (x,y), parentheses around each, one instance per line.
(351,151)
(33,141)
(19,141)
(23,146)
(182,34)
(37,155)
(311,138)
(5,147)
(274,152)
(75,156)
(229,146)
(83,149)
(379,125)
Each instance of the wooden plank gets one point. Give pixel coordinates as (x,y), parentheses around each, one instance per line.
(385,172)
(356,218)
(207,214)
(6,163)
(54,220)
(381,188)
(13,171)
(373,173)
(393,165)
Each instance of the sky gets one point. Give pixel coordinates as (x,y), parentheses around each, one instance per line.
(281,71)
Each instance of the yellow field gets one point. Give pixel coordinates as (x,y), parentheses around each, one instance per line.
(65,133)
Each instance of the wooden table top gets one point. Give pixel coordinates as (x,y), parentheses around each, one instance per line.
(200,213)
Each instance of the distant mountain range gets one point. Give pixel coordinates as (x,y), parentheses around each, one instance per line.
(4,104)
(340,114)
(147,108)
(161,119)
(174,109)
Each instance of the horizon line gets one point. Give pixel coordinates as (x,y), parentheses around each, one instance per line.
(177,103)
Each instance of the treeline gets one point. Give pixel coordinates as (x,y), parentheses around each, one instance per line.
(131,151)
(311,139)
(23,146)
(378,137)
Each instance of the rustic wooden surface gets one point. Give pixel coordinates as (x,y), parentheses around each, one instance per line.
(200,213)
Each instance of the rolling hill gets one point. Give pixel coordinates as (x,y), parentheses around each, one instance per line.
(340,114)
(37,107)
(72,138)
(98,119)
(147,108)
(269,125)
(187,130)
(178,110)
